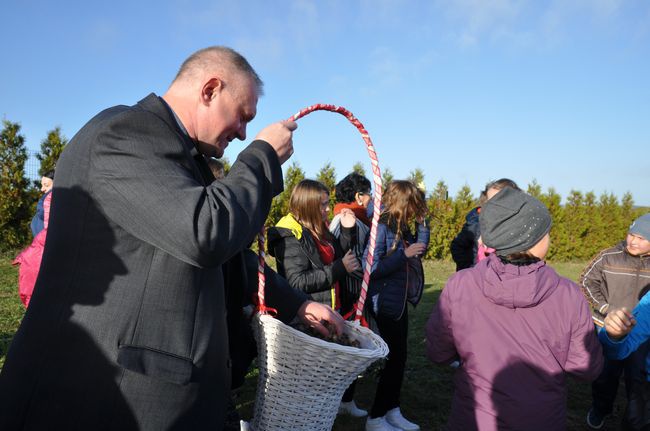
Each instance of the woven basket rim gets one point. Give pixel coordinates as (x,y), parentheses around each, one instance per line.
(380,350)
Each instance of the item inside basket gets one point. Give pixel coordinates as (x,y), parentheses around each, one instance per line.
(344,339)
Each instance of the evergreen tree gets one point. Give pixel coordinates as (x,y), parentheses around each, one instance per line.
(386,177)
(628,215)
(463,203)
(442,224)
(595,226)
(280,204)
(358,168)
(576,228)
(417,177)
(51,148)
(552,200)
(16,197)
(327,176)
(534,189)
(611,213)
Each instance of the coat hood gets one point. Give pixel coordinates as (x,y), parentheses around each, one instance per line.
(289,222)
(287,226)
(514,286)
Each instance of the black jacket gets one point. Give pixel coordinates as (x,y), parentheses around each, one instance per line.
(299,262)
(464,247)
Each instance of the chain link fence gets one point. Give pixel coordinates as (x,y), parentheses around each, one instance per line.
(32,165)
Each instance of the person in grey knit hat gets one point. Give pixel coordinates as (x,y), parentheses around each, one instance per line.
(513,221)
(516,327)
(641,227)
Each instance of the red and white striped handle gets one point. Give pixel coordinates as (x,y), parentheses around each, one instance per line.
(376,176)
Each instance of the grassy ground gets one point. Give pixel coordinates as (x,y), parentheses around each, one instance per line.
(11,309)
(427,390)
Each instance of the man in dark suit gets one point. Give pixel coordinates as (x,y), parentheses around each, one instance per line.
(127,325)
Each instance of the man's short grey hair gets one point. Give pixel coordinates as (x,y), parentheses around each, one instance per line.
(219,57)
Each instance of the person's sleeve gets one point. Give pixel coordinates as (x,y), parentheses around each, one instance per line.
(621,349)
(423,233)
(140,180)
(299,271)
(47,204)
(383,263)
(347,238)
(335,226)
(585,356)
(462,247)
(595,290)
(278,294)
(439,333)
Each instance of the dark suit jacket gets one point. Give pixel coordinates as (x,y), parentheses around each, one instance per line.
(127,325)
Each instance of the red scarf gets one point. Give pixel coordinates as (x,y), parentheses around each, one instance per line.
(327,255)
(357,209)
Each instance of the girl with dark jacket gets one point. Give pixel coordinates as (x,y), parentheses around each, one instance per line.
(307,254)
(353,193)
(396,278)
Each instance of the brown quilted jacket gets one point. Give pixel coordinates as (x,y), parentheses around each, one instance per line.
(615,279)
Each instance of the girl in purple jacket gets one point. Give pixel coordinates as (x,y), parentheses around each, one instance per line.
(515,325)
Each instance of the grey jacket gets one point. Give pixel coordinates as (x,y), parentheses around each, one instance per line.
(127,325)
(615,279)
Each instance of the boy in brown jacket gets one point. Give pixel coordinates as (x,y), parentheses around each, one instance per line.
(619,277)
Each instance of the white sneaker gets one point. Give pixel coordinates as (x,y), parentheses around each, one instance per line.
(379,424)
(350,408)
(395,418)
(243,426)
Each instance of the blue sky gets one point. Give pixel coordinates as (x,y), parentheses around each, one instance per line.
(467,90)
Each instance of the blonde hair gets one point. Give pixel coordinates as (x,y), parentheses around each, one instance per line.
(403,202)
(305,206)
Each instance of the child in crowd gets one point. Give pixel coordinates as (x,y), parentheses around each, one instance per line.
(466,248)
(396,277)
(618,345)
(307,254)
(29,260)
(353,193)
(311,258)
(516,326)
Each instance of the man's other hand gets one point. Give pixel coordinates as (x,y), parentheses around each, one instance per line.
(314,314)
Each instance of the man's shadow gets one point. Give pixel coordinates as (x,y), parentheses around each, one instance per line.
(57,375)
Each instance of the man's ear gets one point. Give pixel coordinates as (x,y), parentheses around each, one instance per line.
(211,89)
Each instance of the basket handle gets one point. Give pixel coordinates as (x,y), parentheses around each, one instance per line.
(376,176)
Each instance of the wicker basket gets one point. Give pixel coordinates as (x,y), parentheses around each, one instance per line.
(302,378)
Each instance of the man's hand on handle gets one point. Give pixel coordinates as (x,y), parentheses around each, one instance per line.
(279,135)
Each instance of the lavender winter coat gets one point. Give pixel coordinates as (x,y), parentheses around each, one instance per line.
(517,331)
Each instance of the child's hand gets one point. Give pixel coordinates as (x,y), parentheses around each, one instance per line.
(348,219)
(350,262)
(416,249)
(619,323)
